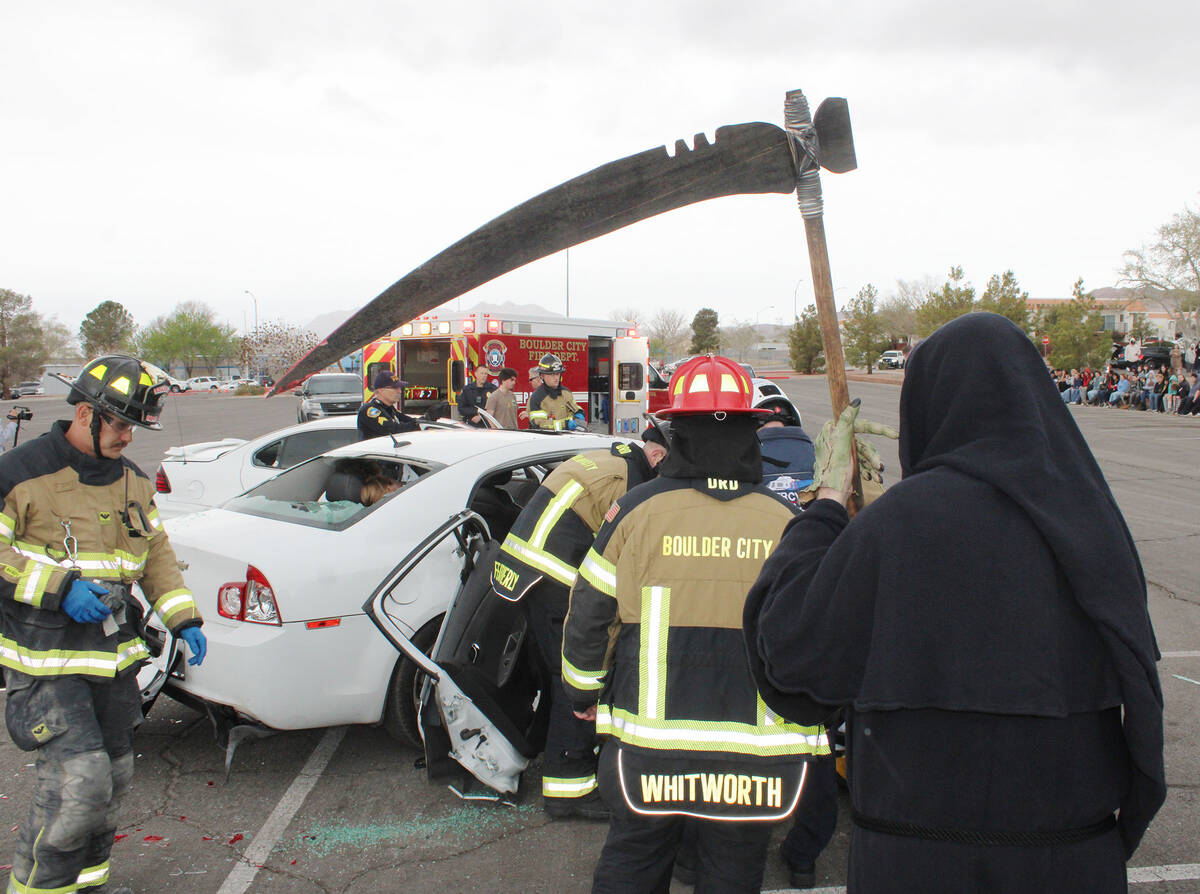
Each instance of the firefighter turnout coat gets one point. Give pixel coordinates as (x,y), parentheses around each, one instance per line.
(654,639)
(552,411)
(556,528)
(68,515)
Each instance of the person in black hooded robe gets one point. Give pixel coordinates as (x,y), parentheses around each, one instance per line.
(984,650)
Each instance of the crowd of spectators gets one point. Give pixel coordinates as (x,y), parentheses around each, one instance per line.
(1141,385)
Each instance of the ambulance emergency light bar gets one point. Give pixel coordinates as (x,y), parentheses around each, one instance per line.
(424,326)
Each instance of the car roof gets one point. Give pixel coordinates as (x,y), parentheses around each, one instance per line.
(451,446)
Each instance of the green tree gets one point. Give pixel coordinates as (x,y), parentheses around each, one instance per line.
(1167,271)
(1076,332)
(1004,296)
(805,347)
(190,333)
(108,329)
(866,336)
(705,336)
(1141,328)
(58,343)
(954,299)
(22,340)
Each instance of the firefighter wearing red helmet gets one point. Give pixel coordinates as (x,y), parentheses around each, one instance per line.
(653,651)
(78,527)
(552,407)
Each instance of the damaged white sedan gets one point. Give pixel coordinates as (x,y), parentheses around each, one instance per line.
(282,572)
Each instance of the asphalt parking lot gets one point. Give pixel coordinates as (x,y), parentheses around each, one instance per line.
(346,810)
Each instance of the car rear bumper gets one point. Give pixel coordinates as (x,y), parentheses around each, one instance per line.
(293,677)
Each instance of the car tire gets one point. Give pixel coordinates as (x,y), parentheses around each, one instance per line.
(175,389)
(404,692)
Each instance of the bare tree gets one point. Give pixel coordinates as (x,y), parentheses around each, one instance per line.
(631,314)
(738,338)
(668,327)
(1167,271)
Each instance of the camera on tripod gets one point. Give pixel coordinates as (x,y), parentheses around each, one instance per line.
(20,414)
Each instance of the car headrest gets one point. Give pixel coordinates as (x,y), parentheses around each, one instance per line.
(344,486)
(499,479)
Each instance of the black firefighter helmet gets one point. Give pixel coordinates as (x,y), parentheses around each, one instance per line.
(122,386)
(551,364)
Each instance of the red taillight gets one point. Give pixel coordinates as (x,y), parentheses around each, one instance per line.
(161,483)
(252,600)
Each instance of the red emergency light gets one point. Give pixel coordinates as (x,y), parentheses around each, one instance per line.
(468,326)
(493,325)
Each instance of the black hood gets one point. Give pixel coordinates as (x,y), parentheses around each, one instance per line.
(705,447)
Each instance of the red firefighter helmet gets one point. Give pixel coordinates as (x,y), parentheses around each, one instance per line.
(711,384)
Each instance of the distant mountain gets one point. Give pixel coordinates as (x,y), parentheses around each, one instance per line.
(327,322)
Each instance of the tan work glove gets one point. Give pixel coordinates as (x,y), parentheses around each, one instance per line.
(836,447)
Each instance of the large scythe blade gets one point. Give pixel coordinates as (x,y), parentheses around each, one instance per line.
(744,158)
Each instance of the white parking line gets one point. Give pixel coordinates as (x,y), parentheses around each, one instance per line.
(238,881)
(1140,875)
(1186,679)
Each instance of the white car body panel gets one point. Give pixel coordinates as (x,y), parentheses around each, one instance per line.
(291,677)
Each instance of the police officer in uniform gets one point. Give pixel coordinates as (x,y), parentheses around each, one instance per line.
(538,565)
(77,527)
(653,651)
(552,407)
(473,397)
(379,415)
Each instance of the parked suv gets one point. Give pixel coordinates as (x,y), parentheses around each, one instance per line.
(891,360)
(27,389)
(329,394)
(202,383)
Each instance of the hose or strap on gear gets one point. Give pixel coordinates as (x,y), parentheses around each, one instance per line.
(987,839)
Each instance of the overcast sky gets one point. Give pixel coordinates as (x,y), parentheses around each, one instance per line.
(313,153)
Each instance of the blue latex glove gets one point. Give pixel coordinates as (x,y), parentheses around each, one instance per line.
(572,425)
(81,604)
(196,641)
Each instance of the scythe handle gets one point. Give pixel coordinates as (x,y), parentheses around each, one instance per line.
(802,138)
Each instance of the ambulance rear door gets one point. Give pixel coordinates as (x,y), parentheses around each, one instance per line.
(629,385)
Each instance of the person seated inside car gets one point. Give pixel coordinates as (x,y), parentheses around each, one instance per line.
(376,488)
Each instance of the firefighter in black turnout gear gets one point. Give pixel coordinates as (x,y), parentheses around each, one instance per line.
(379,415)
(538,565)
(78,527)
(552,406)
(653,652)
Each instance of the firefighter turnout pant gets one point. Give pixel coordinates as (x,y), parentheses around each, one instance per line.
(640,850)
(569,765)
(82,730)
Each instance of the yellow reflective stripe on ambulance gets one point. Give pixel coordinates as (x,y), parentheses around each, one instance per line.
(561,502)
(652,662)
(539,559)
(599,572)
(701,735)
(588,681)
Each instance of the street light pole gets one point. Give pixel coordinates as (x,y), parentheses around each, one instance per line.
(255,300)
(758,312)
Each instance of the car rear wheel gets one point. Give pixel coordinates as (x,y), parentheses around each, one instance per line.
(404,691)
